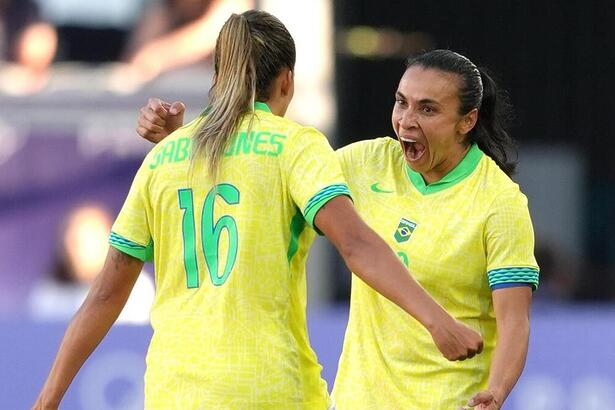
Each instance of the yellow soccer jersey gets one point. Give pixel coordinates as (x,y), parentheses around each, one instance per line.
(461,237)
(229,313)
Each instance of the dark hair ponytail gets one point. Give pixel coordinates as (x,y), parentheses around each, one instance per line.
(491,130)
(478,90)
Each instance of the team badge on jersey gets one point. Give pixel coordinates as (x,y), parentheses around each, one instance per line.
(404,230)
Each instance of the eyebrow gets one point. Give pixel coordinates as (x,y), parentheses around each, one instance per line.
(398,94)
(428,101)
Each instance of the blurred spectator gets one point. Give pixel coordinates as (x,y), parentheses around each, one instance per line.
(28,44)
(558,274)
(91,31)
(171,34)
(83,246)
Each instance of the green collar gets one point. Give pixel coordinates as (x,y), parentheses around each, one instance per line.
(258,106)
(261,106)
(465,167)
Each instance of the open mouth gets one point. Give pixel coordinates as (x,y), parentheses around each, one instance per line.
(412,149)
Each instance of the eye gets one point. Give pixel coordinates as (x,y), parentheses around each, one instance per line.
(427,109)
(400,101)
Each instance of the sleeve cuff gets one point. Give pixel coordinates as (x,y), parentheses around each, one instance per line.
(512,277)
(322,197)
(143,253)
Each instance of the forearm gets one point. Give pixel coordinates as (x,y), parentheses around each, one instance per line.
(509,357)
(86,330)
(372,260)
(104,302)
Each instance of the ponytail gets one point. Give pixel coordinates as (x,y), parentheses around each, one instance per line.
(251,50)
(490,132)
(232,94)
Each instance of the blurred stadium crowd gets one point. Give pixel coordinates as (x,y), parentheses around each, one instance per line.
(114,54)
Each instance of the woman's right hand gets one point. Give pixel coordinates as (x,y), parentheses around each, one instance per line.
(456,340)
(159,118)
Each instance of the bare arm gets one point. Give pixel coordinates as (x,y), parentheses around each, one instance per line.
(371,259)
(104,302)
(512,313)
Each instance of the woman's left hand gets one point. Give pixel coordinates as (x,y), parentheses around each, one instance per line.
(484,400)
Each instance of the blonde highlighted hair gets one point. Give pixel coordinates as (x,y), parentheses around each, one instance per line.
(251,50)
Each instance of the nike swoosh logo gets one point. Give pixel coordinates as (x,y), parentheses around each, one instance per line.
(375,188)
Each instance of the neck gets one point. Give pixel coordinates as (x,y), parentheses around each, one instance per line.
(277,106)
(438,172)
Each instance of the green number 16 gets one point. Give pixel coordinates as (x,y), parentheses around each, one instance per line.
(210,234)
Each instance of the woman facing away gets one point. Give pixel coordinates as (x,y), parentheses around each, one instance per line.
(441,197)
(224,207)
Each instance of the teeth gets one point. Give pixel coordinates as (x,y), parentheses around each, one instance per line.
(404,139)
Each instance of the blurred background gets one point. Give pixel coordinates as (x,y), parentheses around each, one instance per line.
(74,74)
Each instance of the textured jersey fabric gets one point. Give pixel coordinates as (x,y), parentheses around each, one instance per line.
(462,237)
(229,314)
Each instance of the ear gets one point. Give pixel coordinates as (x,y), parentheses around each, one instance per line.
(467,122)
(286,82)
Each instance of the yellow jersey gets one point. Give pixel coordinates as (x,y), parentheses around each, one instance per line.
(461,237)
(229,315)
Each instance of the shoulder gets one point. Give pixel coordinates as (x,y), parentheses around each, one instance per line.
(175,148)
(297,138)
(283,125)
(303,140)
(498,186)
(371,148)
(186,131)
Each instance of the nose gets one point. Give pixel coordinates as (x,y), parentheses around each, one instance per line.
(408,119)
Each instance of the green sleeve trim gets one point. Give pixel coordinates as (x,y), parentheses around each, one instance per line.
(513,275)
(297,225)
(322,197)
(143,253)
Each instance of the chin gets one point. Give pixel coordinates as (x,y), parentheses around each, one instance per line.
(413,165)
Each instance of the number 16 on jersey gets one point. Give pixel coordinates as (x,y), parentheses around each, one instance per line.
(210,234)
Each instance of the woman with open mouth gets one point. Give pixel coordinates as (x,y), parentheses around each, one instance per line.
(446,204)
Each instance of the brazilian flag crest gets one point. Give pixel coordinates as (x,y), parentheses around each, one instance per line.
(404,230)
